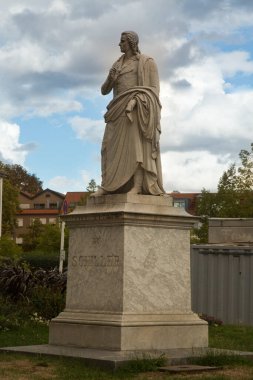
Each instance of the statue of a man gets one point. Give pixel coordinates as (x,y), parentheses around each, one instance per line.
(130,149)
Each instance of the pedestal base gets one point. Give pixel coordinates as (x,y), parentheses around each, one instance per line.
(184,331)
(128,283)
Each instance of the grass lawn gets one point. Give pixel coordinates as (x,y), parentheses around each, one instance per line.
(25,367)
(34,333)
(231,337)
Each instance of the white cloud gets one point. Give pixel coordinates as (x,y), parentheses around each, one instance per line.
(59,7)
(202,115)
(185,171)
(11,150)
(233,62)
(64,184)
(87,129)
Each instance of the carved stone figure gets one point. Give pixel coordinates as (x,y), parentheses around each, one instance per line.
(130,148)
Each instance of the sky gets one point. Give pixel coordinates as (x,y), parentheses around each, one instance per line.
(55,54)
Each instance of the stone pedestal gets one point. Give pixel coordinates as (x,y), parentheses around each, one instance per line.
(129,277)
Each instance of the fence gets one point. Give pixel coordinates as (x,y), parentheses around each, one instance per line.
(222,282)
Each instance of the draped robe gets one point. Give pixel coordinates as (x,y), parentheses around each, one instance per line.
(132,140)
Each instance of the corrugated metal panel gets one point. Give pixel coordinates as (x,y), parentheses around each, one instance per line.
(222,282)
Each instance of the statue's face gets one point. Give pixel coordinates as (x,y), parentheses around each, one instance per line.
(124,44)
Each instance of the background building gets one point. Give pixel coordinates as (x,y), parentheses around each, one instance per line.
(44,206)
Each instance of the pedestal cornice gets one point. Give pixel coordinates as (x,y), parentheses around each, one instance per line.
(129,209)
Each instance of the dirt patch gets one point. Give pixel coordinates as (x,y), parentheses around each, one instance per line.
(23,369)
(238,373)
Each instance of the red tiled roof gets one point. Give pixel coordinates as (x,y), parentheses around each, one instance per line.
(75,196)
(72,199)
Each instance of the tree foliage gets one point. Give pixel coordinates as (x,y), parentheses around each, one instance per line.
(31,238)
(92,186)
(21,179)
(44,238)
(10,207)
(8,249)
(16,179)
(50,238)
(234,198)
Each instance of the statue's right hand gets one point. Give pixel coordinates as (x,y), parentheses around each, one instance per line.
(113,74)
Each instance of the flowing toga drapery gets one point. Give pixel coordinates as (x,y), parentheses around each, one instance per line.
(132,139)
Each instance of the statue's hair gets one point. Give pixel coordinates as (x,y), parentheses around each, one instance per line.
(133,40)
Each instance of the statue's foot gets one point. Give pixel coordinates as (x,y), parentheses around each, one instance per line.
(138,181)
(98,193)
(135,190)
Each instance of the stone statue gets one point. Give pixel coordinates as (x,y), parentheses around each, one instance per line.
(130,149)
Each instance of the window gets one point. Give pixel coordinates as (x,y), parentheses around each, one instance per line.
(20,222)
(19,240)
(24,206)
(52,221)
(39,205)
(53,205)
(41,220)
(180,203)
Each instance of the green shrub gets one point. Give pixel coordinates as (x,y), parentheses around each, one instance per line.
(48,295)
(47,302)
(13,314)
(9,249)
(39,259)
(41,292)
(50,238)
(51,279)
(212,321)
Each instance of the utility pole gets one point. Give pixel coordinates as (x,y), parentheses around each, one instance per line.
(62,251)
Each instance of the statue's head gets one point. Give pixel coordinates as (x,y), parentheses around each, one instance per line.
(133,41)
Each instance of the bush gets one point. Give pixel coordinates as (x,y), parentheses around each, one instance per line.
(15,280)
(9,249)
(13,314)
(44,238)
(51,279)
(212,321)
(48,295)
(47,303)
(39,259)
(41,292)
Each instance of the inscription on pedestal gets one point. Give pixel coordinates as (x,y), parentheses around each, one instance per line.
(95,261)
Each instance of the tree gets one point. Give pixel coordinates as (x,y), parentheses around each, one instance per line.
(20,178)
(10,207)
(235,188)
(206,207)
(31,238)
(45,238)
(234,198)
(228,196)
(92,186)
(17,178)
(50,238)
